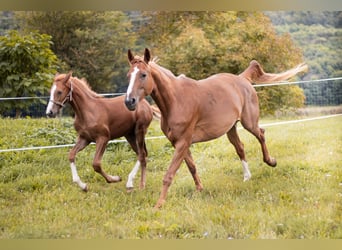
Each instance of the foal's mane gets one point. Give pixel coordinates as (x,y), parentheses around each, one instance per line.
(83,84)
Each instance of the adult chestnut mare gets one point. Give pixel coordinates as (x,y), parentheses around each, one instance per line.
(196,111)
(99,120)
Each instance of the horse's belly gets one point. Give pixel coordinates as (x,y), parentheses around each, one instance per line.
(212,130)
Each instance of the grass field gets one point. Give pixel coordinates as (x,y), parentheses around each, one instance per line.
(299,199)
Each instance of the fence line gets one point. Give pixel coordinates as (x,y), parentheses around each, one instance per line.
(162,137)
(117,94)
(47,97)
(297,82)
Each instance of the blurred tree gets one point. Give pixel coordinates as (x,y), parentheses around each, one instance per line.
(319,34)
(200,44)
(7,22)
(27,67)
(91,44)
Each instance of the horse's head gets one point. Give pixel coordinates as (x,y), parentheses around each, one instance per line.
(140,79)
(60,93)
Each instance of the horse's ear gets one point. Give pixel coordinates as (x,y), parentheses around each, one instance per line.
(147,55)
(67,77)
(130,56)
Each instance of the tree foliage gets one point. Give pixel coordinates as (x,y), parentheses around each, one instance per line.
(91,44)
(319,35)
(200,44)
(27,66)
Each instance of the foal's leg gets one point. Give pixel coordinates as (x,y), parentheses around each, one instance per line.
(192,168)
(235,140)
(80,144)
(101,144)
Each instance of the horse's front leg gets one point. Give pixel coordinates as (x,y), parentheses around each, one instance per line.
(101,144)
(181,149)
(80,144)
(192,168)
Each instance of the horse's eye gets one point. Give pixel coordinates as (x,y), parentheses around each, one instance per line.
(143,75)
(59,92)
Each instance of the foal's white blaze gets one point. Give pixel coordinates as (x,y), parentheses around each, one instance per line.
(76,178)
(246,173)
(50,105)
(132,80)
(132,175)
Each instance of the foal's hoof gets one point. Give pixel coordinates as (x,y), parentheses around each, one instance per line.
(129,189)
(115,178)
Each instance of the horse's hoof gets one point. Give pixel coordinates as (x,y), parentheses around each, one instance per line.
(273,162)
(85,188)
(115,178)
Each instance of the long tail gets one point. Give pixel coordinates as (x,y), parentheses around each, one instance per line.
(255,74)
(156,112)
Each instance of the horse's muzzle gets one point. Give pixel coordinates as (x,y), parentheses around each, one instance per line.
(131,103)
(51,114)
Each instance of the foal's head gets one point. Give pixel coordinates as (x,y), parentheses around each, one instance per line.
(140,79)
(60,93)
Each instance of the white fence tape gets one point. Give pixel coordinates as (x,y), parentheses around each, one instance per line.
(162,137)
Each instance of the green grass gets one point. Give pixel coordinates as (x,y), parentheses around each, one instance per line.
(300,198)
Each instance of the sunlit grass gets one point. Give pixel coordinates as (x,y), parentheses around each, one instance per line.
(300,198)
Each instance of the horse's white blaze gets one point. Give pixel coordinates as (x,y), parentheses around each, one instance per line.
(131,82)
(76,178)
(50,105)
(246,173)
(132,175)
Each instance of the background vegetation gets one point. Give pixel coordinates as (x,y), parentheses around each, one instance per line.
(94,44)
(299,199)
(319,35)
(27,66)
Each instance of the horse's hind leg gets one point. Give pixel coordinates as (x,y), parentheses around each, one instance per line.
(192,168)
(267,158)
(139,147)
(80,144)
(250,121)
(235,140)
(101,144)
(142,154)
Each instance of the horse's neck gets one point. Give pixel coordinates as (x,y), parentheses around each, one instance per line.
(81,101)
(164,92)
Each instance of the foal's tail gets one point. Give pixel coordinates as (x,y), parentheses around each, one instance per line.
(156,112)
(255,74)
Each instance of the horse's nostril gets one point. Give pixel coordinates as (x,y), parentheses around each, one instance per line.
(130,103)
(49,114)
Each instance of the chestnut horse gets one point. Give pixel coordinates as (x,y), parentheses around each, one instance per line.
(99,120)
(196,111)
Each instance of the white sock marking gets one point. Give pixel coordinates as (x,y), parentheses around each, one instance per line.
(50,105)
(132,175)
(246,173)
(76,178)
(132,80)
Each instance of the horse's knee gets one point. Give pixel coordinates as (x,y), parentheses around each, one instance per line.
(72,156)
(167,180)
(97,166)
